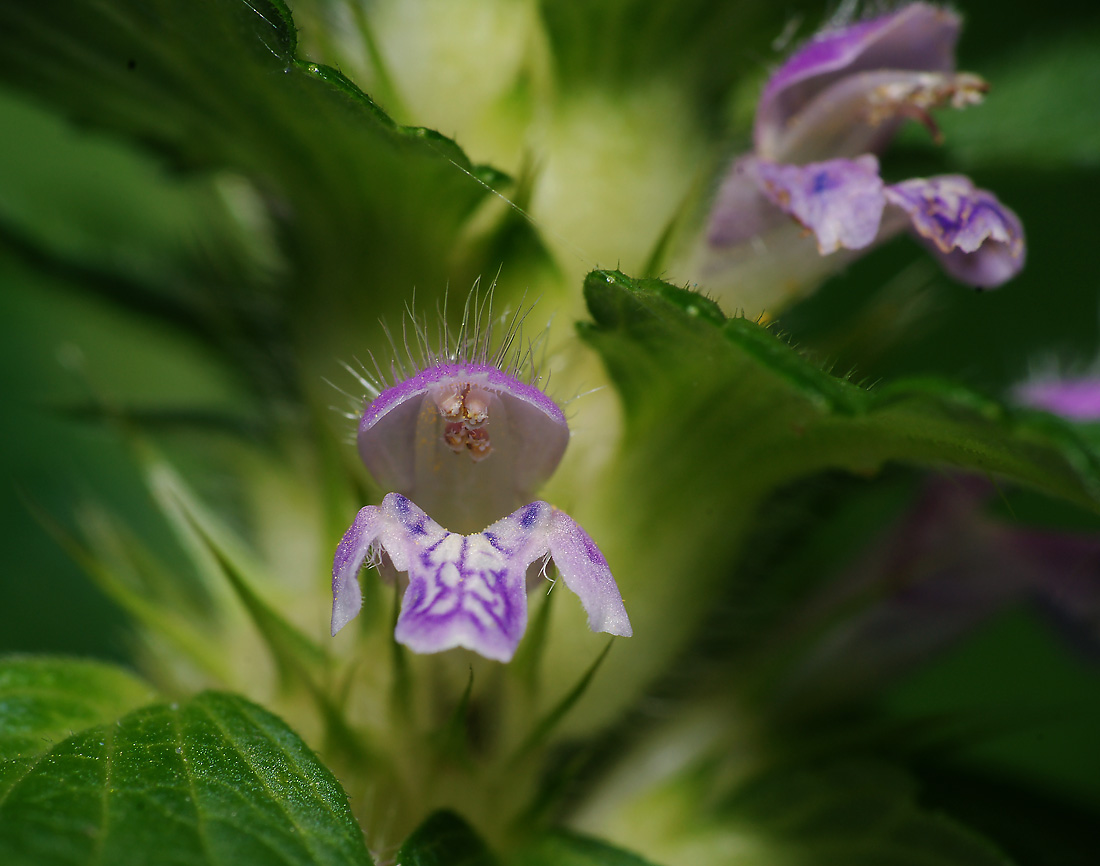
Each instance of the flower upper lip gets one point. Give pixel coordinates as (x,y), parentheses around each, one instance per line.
(916,39)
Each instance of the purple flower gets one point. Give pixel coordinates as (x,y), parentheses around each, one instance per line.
(1076,399)
(945,568)
(468,440)
(821,119)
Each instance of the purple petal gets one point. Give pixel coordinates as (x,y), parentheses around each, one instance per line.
(469,590)
(586,573)
(352,552)
(1075,399)
(464,590)
(916,37)
(840,201)
(977,239)
(741,212)
(403,442)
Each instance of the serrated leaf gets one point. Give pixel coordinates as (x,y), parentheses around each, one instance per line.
(721,413)
(786,417)
(860,814)
(561,848)
(43,700)
(216,780)
(444,839)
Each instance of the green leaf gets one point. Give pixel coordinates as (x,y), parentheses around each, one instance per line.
(217,85)
(859,814)
(444,839)
(561,848)
(43,700)
(216,780)
(721,413)
(774,416)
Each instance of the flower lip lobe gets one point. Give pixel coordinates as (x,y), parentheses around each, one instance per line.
(470,590)
(840,201)
(977,239)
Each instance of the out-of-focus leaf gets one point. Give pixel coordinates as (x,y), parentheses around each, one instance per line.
(1032,825)
(217,84)
(722,412)
(1034,116)
(43,700)
(571,849)
(619,41)
(214,781)
(857,814)
(1035,702)
(775,416)
(444,839)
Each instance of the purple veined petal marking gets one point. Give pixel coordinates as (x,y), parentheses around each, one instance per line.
(978,240)
(919,37)
(469,590)
(841,200)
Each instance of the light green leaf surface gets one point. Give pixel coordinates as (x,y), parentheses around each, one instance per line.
(687,373)
(216,780)
(44,700)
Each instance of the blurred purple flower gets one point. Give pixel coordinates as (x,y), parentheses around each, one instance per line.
(820,121)
(1076,399)
(945,568)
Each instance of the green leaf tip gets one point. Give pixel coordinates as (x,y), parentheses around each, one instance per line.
(612,291)
(445,839)
(565,848)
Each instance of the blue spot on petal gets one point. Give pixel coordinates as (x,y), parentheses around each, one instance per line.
(529,516)
(821,183)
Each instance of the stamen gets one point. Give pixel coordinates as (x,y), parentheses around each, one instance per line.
(466,409)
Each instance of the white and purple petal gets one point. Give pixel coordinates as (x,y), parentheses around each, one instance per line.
(841,200)
(917,37)
(861,113)
(495,457)
(978,240)
(469,590)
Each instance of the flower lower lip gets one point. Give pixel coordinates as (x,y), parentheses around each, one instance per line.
(470,590)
